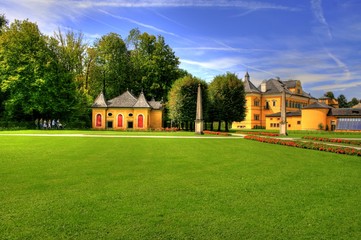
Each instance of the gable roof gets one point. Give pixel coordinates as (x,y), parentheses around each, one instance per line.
(125,100)
(288,114)
(100,101)
(317,105)
(155,104)
(274,86)
(349,112)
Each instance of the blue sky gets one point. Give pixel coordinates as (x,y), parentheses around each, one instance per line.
(315,41)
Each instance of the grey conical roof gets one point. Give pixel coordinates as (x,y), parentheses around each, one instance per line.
(141,102)
(100,101)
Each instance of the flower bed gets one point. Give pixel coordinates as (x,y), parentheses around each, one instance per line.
(261,133)
(307,145)
(216,133)
(333,140)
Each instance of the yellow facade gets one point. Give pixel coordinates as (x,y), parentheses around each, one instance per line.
(293,123)
(258,106)
(267,99)
(152,119)
(313,119)
(126,112)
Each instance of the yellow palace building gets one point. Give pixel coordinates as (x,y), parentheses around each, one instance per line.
(126,112)
(304,112)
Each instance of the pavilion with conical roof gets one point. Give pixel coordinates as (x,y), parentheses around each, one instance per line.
(127,111)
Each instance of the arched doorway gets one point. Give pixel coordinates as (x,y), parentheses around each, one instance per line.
(140,121)
(98,122)
(120,121)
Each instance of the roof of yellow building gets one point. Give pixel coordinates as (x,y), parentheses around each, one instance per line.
(357,105)
(100,101)
(288,114)
(343,112)
(126,100)
(317,105)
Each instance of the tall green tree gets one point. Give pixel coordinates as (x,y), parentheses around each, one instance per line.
(354,101)
(3,21)
(70,52)
(329,95)
(342,101)
(228,98)
(182,102)
(111,65)
(36,82)
(24,63)
(154,64)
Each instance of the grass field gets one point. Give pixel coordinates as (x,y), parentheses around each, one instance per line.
(140,188)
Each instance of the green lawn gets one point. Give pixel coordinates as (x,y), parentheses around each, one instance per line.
(139,188)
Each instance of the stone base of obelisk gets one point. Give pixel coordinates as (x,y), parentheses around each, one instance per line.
(283,129)
(199,126)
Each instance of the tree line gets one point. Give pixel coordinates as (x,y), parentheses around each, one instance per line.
(342,100)
(59,76)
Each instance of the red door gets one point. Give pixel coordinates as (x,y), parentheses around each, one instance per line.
(120,120)
(98,120)
(140,121)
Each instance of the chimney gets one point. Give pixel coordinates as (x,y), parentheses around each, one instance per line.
(264,86)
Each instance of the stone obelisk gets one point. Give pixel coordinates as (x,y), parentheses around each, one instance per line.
(199,112)
(283,123)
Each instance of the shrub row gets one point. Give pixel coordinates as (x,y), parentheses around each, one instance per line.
(307,145)
(333,140)
(216,133)
(261,133)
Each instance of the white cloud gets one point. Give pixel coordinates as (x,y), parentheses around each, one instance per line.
(139,23)
(336,87)
(317,10)
(250,5)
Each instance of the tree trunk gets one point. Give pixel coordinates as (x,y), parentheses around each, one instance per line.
(219,125)
(226,126)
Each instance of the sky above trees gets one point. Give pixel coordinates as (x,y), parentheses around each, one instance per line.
(314,41)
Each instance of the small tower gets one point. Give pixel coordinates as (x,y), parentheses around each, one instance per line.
(246,77)
(199,112)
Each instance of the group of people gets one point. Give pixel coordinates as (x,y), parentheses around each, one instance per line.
(48,124)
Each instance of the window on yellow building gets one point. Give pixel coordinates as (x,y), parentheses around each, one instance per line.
(274,103)
(256,117)
(298,122)
(256,103)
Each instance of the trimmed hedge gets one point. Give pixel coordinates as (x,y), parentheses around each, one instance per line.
(333,140)
(307,145)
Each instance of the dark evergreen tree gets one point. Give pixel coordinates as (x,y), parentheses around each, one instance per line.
(227,98)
